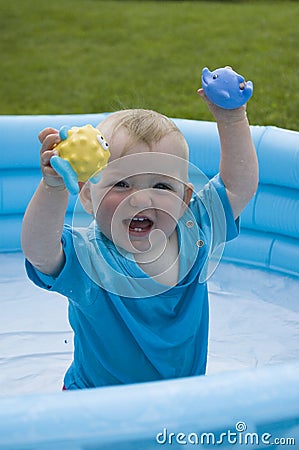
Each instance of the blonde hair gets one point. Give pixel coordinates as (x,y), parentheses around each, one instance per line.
(143,125)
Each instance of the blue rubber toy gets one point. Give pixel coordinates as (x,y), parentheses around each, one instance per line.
(226,88)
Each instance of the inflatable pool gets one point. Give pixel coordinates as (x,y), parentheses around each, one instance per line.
(250,396)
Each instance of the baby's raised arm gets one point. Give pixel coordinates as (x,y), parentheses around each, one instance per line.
(238,163)
(44,217)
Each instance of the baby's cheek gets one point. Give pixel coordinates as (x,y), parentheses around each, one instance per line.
(109,213)
(104,216)
(170,206)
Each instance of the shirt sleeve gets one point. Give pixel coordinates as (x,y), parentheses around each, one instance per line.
(215,219)
(232,224)
(40,279)
(215,214)
(72,281)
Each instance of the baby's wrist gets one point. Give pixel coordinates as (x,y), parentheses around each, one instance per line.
(233,118)
(52,184)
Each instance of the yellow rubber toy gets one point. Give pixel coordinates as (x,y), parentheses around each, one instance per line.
(81,155)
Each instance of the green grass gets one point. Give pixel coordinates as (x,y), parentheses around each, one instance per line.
(84,56)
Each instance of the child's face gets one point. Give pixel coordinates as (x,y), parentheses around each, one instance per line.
(141,195)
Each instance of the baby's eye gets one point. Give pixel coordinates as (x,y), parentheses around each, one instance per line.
(163,186)
(121,184)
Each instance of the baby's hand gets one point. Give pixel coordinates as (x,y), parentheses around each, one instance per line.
(49,137)
(221,115)
(226,93)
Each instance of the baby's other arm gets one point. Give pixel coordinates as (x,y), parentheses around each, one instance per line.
(44,217)
(238,163)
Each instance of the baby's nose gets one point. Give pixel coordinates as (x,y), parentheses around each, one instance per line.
(141,199)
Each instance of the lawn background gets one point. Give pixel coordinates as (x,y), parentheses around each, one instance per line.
(85,56)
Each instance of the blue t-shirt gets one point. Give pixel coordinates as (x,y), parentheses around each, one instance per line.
(127,327)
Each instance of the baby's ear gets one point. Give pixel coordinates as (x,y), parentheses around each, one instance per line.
(85,197)
(189,188)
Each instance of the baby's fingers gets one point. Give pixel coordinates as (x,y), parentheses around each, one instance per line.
(46,156)
(45,132)
(49,137)
(48,171)
(49,142)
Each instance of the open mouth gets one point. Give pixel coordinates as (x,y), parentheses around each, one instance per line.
(140,225)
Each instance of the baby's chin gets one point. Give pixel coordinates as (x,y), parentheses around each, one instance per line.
(135,246)
(127,244)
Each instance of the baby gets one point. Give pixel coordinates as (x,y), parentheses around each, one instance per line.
(134,278)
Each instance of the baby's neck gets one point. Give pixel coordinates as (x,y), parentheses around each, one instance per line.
(164,266)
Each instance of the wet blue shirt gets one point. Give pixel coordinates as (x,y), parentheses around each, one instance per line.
(127,327)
